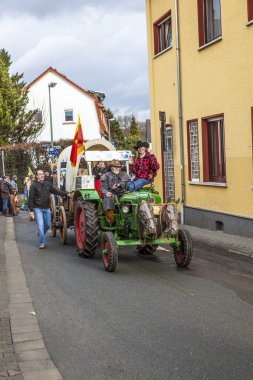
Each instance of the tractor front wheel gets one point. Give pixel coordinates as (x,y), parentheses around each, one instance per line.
(109,252)
(183,255)
(86,228)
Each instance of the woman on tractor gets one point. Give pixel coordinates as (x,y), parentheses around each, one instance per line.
(144,168)
(98,171)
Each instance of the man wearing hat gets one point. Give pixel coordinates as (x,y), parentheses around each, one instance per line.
(112,183)
(144,168)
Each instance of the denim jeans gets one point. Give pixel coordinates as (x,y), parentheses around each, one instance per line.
(43,221)
(5,203)
(136,185)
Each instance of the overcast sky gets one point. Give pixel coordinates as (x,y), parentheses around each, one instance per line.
(99,44)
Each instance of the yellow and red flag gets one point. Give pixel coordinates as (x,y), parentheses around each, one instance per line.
(78,143)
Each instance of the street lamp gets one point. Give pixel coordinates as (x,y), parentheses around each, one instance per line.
(109,126)
(51,85)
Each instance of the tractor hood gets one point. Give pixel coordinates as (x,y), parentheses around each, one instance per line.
(137,196)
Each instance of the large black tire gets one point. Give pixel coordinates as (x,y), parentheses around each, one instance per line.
(109,252)
(184,255)
(86,228)
(147,250)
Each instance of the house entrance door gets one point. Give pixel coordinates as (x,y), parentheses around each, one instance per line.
(168,159)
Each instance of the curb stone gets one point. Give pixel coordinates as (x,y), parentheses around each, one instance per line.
(232,244)
(23,343)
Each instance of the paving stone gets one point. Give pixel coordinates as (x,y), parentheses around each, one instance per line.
(11,372)
(23,337)
(7,348)
(3,374)
(29,345)
(12,366)
(9,355)
(23,315)
(19,298)
(39,354)
(49,374)
(23,322)
(33,327)
(35,365)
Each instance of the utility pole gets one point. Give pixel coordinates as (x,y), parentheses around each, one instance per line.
(51,85)
(3,166)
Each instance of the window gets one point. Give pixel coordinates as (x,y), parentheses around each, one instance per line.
(214,149)
(68,115)
(250,10)
(162,33)
(193,150)
(209,17)
(38,117)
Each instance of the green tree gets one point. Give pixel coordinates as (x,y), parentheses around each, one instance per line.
(115,131)
(17,124)
(134,131)
(133,135)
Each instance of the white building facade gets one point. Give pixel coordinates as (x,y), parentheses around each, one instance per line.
(67,101)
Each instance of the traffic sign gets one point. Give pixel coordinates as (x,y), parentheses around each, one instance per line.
(46,145)
(52,152)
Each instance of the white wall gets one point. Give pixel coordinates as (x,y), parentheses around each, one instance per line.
(63,96)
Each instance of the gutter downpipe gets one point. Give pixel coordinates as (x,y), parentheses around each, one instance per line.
(180,124)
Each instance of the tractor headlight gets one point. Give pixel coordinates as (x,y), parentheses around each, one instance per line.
(125,209)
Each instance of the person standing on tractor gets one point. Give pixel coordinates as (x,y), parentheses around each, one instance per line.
(39,202)
(98,171)
(144,168)
(112,184)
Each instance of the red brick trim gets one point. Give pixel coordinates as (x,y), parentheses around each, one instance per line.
(250,10)
(189,148)
(155,30)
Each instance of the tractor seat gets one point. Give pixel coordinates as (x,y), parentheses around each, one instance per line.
(149,186)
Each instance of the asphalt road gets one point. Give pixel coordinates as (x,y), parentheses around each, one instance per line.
(149,320)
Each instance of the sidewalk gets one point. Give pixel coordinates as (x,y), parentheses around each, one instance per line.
(220,240)
(23,355)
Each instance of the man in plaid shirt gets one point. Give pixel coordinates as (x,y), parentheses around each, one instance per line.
(144,168)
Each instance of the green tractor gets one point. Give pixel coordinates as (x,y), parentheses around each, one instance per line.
(140,217)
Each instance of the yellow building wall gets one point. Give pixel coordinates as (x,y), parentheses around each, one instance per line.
(217,79)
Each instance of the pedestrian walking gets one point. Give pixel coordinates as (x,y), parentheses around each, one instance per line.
(39,202)
(14,183)
(5,195)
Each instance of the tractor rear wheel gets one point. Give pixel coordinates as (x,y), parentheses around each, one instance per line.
(53,215)
(109,252)
(86,228)
(63,225)
(183,256)
(147,250)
